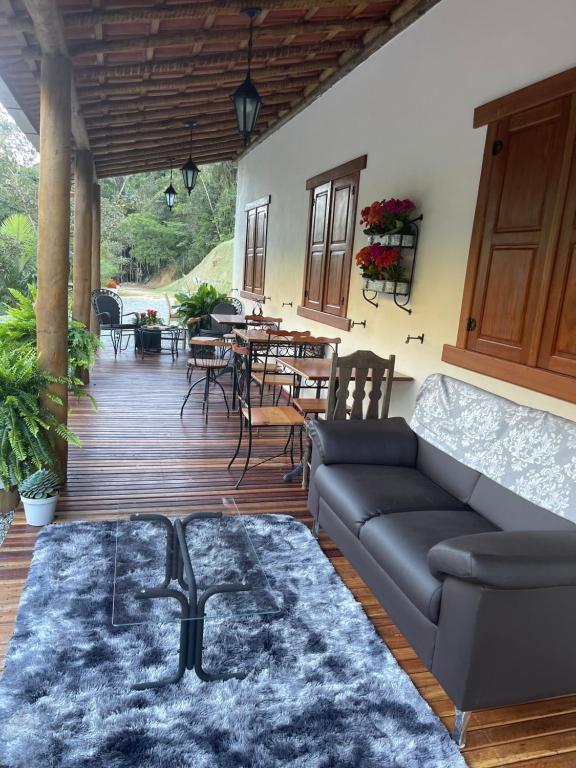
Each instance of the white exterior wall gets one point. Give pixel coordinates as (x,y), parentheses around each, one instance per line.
(409,107)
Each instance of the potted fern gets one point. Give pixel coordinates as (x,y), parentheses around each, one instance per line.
(25,423)
(39,494)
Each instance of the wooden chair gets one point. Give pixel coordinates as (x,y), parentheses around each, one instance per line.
(259,417)
(357,370)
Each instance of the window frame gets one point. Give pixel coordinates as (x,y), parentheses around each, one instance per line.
(255,204)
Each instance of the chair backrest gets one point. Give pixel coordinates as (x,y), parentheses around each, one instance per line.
(227,307)
(107,307)
(317,346)
(237,303)
(243,366)
(360,367)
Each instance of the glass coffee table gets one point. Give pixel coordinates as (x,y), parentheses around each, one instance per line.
(187,571)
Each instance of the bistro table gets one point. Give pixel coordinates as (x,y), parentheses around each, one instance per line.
(316,370)
(228,319)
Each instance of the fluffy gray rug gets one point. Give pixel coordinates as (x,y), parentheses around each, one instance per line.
(323,691)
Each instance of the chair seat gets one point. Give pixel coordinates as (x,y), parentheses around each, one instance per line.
(278,416)
(310,404)
(274,379)
(208,362)
(269,366)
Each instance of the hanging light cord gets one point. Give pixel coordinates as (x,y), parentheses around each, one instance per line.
(250,36)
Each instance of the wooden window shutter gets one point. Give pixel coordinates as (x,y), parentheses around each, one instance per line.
(260,229)
(517,239)
(558,348)
(317,239)
(250,249)
(339,245)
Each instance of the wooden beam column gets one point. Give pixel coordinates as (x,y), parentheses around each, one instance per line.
(82,263)
(54,231)
(96,236)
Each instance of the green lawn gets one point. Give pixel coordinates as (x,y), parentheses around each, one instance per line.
(215,268)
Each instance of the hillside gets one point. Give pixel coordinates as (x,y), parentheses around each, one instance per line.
(215,268)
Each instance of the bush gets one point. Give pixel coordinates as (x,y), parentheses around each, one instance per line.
(198,304)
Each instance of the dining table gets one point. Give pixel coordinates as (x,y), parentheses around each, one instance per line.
(316,370)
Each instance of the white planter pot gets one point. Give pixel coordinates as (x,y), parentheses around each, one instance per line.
(400,289)
(373,285)
(395,240)
(40,511)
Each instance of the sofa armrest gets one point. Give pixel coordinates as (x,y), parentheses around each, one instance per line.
(508,559)
(380,441)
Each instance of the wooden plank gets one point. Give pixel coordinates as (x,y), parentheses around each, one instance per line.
(138,455)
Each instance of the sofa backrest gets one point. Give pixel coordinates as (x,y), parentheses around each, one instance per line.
(516,451)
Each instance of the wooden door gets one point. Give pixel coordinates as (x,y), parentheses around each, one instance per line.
(317,239)
(558,349)
(339,245)
(250,248)
(518,240)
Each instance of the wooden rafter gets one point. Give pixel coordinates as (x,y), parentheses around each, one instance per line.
(140,72)
(221,35)
(192,63)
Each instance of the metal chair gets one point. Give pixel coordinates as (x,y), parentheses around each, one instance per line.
(226,307)
(109,312)
(204,357)
(261,416)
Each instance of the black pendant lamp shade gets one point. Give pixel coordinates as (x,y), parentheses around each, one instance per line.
(170,192)
(190,170)
(247,100)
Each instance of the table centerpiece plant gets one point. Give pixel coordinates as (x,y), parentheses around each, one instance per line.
(148,332)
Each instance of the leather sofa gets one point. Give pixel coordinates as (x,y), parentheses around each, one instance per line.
(481,582)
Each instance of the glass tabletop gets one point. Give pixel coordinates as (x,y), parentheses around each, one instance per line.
(202,566)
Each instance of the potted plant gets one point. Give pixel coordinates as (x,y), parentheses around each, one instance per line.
(395,281)
(149,340)
(193,309)
(39,494)
(388,221)
(375,261)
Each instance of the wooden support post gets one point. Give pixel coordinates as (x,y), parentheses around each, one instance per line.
(96,231)
(82,263)
(54,231)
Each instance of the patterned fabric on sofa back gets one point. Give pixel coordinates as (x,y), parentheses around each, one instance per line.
(530,452)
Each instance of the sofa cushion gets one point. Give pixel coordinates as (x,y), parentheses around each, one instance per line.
(359,492)
(400,543)
(451,474)
(511,512)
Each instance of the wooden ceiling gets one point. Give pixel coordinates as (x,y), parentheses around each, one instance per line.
(143,69)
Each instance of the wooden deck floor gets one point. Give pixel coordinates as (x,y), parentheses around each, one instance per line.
(138,455)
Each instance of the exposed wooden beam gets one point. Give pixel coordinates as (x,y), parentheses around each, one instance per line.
(49,33)
(189,11)
(405,14)
(194,82)
(178,146)
(142,165)
(192,63)
(221,35)
(129,139)
(198,101)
